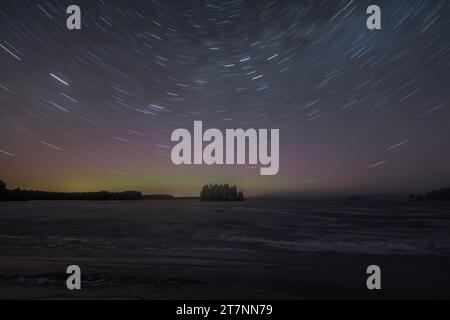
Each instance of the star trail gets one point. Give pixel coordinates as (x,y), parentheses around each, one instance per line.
(358,109)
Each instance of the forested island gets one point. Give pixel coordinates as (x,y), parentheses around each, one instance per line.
(221,192)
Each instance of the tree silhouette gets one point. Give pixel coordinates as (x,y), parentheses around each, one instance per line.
(3,190)
(439,195)
(2,186)
(435,195)
(221,192)
(25,195)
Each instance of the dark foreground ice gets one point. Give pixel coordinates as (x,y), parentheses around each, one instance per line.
(187,249)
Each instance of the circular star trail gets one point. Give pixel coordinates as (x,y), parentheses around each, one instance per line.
(358,109)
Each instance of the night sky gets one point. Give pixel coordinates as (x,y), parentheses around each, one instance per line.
(358,110)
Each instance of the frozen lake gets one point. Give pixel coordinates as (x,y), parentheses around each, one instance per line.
(185,249)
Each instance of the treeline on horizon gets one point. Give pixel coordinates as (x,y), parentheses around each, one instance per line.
(221,192)
(435,195)
(28,195)
(210,192)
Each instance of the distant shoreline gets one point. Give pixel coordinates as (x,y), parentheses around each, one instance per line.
(25,195)
(210,193)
